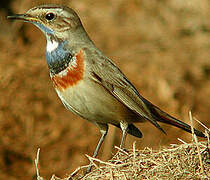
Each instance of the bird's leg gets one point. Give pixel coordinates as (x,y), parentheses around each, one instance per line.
(124,127)
(103,131)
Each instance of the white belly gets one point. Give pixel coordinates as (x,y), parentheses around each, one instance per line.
(92,102)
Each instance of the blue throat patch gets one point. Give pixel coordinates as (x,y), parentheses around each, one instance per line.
(59,58)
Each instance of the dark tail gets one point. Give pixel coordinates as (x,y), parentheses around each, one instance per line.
(163,117)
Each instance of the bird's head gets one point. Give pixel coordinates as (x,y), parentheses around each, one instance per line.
(57,20)
(63,30)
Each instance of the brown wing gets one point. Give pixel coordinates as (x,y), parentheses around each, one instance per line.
(105,72)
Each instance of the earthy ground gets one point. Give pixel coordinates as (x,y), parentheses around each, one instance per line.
(162,46)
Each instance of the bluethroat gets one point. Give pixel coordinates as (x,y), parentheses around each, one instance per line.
(88,83)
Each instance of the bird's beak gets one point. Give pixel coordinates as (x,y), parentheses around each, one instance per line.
(23,17)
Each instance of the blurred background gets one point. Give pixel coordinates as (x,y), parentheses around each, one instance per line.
(162,46)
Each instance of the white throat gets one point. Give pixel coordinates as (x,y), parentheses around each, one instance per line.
(51,45)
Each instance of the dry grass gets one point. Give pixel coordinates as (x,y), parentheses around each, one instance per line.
(185,161)
(178,161)
(175,162)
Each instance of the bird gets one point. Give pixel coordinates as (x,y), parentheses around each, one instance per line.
(89,83)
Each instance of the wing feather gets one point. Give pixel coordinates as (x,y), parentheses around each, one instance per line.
(110,77)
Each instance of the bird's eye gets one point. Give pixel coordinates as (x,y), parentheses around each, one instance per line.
(50,16)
